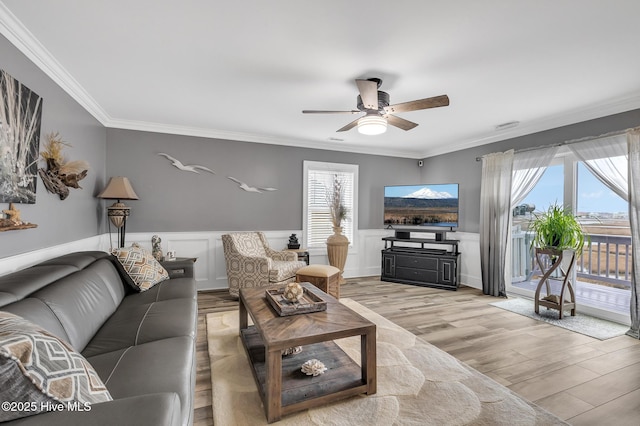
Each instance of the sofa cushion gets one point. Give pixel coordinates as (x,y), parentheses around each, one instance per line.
(142,270)
(38,367)
(83,301)
(157,409)
(21,284)
(175,288)
(137,324)
(37,312)
(139,370)
(18,285)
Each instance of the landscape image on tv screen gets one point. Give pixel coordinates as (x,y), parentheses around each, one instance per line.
(421,205)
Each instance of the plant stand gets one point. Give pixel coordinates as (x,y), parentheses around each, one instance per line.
(554,258)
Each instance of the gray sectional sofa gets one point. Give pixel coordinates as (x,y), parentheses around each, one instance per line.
(142,345)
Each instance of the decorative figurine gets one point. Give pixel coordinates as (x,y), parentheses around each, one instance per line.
(293,242)
(13,215)
(156,250)
(13,221)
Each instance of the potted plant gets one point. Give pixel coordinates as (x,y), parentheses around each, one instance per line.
(557,229)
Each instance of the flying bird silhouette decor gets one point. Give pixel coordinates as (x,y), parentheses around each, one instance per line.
(186,167)
(248,188)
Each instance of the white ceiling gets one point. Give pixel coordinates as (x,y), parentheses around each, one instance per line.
(244,70)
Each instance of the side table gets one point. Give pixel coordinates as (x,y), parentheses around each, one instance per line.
(303,254)
(182,267)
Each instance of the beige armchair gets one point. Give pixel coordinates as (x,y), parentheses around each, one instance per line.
(252,263)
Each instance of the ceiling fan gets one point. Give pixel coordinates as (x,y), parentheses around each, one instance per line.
(375,104)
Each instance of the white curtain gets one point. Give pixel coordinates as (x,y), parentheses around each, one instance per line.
(607,159)
(633,143)
(615,161)
(528,168)
(507,178)
(495,215)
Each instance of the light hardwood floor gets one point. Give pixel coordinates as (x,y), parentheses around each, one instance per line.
(582,380)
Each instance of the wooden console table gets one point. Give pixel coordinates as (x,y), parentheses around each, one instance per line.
(550,263)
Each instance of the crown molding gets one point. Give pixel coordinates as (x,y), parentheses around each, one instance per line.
(254,138)
(613,106)
(28,44)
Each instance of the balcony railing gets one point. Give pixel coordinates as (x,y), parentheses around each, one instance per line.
(606,259)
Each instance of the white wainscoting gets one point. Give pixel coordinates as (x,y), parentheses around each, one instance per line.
(210,270)
(470,272)
(364,260)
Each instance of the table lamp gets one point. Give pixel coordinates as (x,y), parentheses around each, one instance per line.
(118,188)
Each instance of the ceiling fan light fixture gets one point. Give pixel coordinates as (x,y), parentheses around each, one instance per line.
(372,124)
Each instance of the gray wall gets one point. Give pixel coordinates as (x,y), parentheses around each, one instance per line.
(462,167)
(80,215)
(173,200)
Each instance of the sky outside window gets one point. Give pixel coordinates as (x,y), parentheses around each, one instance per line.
(594,197)
(549,190)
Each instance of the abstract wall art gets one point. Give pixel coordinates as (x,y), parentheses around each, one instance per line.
(20,117)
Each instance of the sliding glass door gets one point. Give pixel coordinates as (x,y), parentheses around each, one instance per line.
(602,278)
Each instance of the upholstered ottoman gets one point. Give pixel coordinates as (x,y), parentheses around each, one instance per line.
(325,277)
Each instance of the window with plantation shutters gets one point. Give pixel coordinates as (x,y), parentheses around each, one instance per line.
(319,180)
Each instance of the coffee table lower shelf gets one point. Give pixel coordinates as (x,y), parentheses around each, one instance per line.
(342,379)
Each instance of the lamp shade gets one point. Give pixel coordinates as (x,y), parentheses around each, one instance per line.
(118,188)
(372,124)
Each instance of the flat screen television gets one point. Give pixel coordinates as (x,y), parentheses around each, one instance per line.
(424,205)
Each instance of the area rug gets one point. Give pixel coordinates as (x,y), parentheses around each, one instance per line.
(418,384)
(580,323)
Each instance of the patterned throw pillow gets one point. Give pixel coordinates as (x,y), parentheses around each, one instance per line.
(141,267)
(38,371)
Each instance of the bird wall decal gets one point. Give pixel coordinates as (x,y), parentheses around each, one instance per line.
(186,167)
(248,188)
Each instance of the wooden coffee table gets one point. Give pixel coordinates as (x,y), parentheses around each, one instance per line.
(283,388)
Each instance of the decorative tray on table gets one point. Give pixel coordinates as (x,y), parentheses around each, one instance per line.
(308,303)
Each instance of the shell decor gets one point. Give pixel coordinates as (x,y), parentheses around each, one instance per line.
(313,367)
(293,292)
(295,350)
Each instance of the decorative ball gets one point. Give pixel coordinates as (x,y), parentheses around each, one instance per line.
(293,292)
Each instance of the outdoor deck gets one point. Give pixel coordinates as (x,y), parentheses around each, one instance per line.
(605,259)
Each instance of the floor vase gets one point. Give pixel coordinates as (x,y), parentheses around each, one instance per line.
(337,250)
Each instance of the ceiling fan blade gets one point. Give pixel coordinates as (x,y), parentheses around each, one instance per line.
(400,123)
(368,93)
(313,111)
(349,126)
(436,101)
